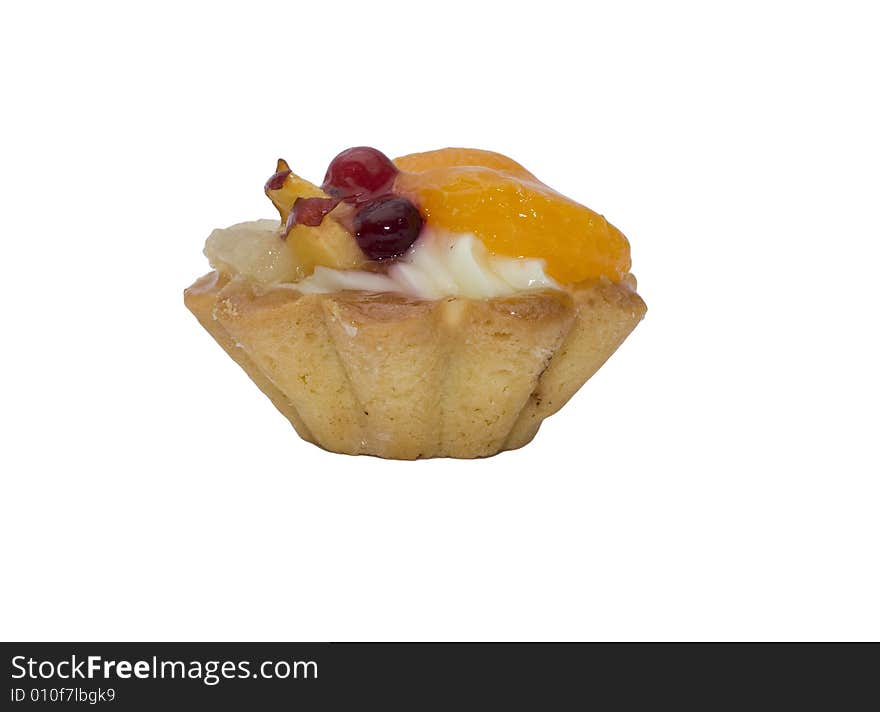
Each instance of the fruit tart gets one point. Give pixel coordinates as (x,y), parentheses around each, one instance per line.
(438,305)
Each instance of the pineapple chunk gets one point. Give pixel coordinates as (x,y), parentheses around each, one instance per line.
(254,250)
(293,187)
(329,245)
(259,251)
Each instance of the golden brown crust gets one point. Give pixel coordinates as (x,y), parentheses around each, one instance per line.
(200,299)
(403,378)
(605,314)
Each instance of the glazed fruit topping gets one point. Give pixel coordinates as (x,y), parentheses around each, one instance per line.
(512,213)
(309,211)
(360,183)
(359,174)
(386,227)
(370,208)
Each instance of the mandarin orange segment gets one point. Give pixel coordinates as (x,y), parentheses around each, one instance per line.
(514,215)
(455,157)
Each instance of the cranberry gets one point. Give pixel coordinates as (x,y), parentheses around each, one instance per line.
(359,173)
(387,226)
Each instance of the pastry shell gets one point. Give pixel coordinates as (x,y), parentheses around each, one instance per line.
(401,378)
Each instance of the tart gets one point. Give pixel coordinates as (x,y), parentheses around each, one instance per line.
(438,305)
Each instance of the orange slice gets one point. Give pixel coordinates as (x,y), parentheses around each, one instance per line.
(513,213)
(455,157)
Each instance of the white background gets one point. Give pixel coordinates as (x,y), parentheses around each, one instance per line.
(718,479)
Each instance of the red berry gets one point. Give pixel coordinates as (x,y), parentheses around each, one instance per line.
(386,227)
(359,173)
(309,211)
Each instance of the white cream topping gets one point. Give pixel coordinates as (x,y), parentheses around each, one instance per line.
(439,265)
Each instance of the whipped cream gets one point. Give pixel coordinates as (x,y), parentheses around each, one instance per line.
(439,265)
